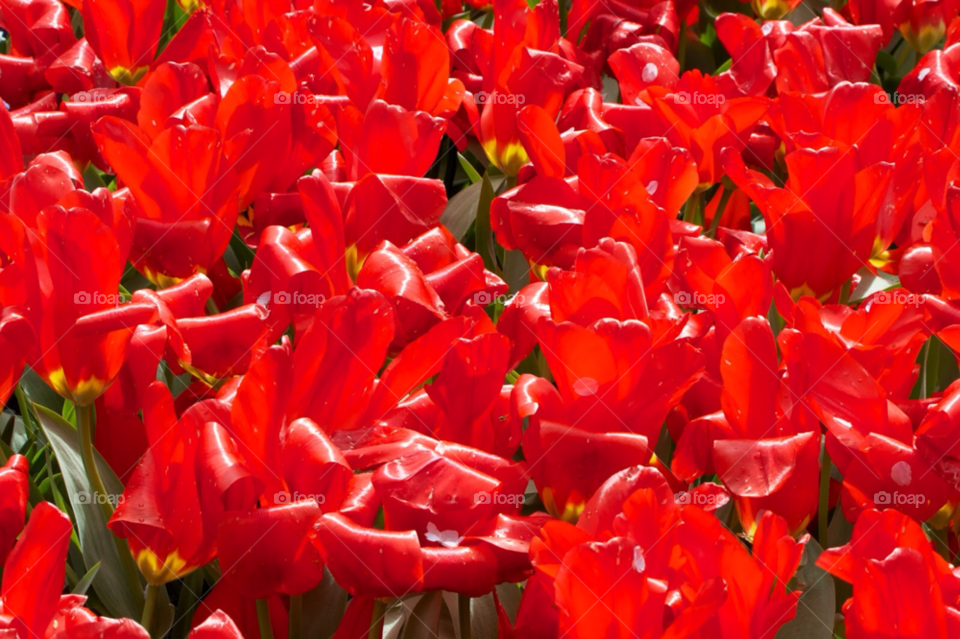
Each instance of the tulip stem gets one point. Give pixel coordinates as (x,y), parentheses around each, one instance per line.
(263,619)
(823,523)
(463,607)
(296,613)
(376,619)
(24,411)
(942,540)
(721,207)
(85,419)
(149,606)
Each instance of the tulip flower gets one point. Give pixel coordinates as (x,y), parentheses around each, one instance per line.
(760,456)
(889,559)
(185,195)
(124,34)
(702,120)
(464,535)
(923,23)
(675,562)
(14,480)
(170,531)
(843,229)
(31,603)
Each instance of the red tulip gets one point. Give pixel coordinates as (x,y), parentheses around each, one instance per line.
(922,23)
(675,561)
(462,535)
(901,588)
(16,338)
(873,12)
(125,34)
(185,194)
(169,523)
(14,481)
(763,459)
(219,625)
(843,229)
(34,572)
(773,9)
(702,120)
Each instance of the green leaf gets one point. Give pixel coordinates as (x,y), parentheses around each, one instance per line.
(92,178)
(243,253)
(38,392)
(323,607)
(424,621)
(96,541)
(817,606)
(461,210)
(191,587)
(69,413)
(485,242)
(516,270)
(887,63)
(471,172)
(86,580)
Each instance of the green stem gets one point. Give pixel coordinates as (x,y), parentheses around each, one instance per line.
(823,522)
(149,606)
(296,614)
(85,421)
(901,57)
(376,619)
(463,607)
(942,540)
(263,618)
(211,307)
(24,410)
(721,207)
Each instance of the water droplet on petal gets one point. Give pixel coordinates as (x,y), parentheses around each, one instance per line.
(649,72)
